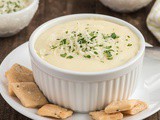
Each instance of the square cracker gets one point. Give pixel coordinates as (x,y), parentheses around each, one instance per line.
(139,107)
(18,73)
(101,115)
(29,94)
(50,110)
(118,106)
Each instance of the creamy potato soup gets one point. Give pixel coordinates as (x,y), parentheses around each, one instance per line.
(87,45)
(10,6)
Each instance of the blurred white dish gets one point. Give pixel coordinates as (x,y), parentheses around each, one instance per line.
(12,23)
(149,94)
(125,5)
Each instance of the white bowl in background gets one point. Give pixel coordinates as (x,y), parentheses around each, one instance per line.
(125,5)
(12,23)
(85,91)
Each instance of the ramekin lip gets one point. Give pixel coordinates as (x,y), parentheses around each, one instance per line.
(34,2)
(87,15)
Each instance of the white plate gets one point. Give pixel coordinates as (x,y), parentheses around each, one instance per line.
(149,93)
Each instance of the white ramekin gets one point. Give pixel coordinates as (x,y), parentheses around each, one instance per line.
(12,23)
(82,91)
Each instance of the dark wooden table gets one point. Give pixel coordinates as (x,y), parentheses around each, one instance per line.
(49,9)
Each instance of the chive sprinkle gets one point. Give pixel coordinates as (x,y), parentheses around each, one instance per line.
(87,56)
(129,44)
(110,58)
(63,55)
(114,36)
(53,47)
(63,42)
(87,44)
(95,52)
(108,47)
(69,57)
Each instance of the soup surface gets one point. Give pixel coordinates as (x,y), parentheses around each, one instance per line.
(10,6)
(87,45)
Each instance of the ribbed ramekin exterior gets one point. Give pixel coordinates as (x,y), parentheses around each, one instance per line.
(86,96)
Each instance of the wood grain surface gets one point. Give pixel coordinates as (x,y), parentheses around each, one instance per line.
(49,9)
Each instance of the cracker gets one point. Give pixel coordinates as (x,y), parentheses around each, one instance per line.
(18,73)
(101,115)
(139,107)
(29,94)
(118,106)
(50,110)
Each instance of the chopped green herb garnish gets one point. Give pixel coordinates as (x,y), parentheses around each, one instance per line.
(108,47)
(105,36)
(87,56)
(91,34)
(95,52)
(114,36)
(93,37)
(80,34)
(63,42)
(87,44)
(108,53)
(129,44)
(110,58)
(73,50)
(63,55)
(82,41)
(70,57)
(53,47)
(110,50)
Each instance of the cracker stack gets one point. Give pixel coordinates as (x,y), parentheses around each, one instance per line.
(116,109)
(18,73)
(21,83)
